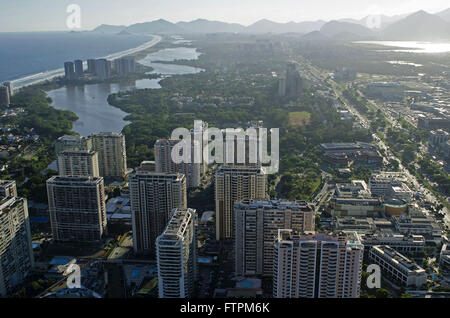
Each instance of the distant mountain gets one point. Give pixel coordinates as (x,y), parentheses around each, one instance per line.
(315,36)
(334,28)
(106,28)
(444,15)
(267,26)
(158,26)
(384,20)
(203,26)
(310,26)
(419,26)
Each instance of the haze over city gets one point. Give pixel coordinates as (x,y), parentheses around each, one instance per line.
(50,15)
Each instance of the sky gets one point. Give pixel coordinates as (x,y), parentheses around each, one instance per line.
(51,15)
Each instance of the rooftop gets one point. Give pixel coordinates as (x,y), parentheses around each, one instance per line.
(274,204)
(398,258)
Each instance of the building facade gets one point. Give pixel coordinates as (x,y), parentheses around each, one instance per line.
(176,254)
(16,252)
(233,184)
(103,69)
(256,228)
(164,162)
(317,265)
(401,243)
(69,71)
(112,155)
(77,208)
(153,197)
(4,96)
(78,68)
(124,66)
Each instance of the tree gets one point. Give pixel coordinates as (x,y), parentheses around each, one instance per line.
(382,293)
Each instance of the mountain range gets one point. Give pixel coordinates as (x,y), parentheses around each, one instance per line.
(420,26)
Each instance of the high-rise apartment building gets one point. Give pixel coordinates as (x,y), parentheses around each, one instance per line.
(233,184)
(10,88)
(4,96)
(78,163)
(16,252)
(8,188)
(164,162)
(91,66)
(317,265)
(256,229)
(77,208)
(124,66)
(69,70)
(72,143)
(78,68)
(112,156)
(294,83)
(103,69)
(153,197)
(176,254)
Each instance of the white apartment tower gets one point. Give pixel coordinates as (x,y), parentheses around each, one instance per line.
(112,156)
(176,250)
(77,208)
(317,265)
(233,184)
(78,163)
(16,252)
(153,197)
(164,162)
(256,228)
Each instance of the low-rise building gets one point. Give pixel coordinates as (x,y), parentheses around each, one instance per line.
(397,267)
(360,225)
(401,243)
(355,189)
(438,137)
(359,207)
(418,225)
(390,184)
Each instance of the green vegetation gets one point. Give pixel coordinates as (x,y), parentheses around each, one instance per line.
(33,287)
(298,119)
(41,119)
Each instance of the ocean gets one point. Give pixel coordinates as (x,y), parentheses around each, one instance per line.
(23,55)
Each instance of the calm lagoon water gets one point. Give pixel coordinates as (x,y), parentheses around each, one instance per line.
(412,46)
(90,103)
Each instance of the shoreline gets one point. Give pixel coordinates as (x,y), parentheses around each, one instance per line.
(52,74)
(154,76)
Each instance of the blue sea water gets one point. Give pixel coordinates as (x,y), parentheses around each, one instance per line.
(24,54)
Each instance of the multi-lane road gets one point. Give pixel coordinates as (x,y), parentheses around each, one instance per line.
(365,123)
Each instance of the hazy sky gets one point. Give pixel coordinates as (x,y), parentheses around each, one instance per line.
(38,15)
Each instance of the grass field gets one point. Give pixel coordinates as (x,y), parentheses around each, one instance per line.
(299,119)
